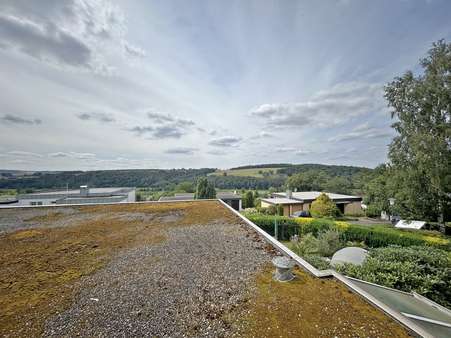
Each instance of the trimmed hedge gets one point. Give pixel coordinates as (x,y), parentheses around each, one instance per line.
(373,236)
(287,227)
(379,237)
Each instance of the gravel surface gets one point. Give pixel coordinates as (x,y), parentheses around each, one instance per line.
(12,219)
(190,285)
(27,218)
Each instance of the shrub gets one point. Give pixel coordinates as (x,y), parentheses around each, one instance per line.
(323,206)
(271,210)
(314,226)
(308,245)
(372,211)
(329,242)
(251,211)
(422,269)
(324,245)
(317,261)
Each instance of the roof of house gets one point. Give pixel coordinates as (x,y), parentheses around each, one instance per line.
(190,196)
(187,197)
(280,200)
(312,195)
(162,269)
(91,200)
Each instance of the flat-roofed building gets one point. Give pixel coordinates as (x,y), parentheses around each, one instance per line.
(84,195)
(302,200)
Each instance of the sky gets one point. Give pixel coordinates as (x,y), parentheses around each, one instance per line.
(106,84)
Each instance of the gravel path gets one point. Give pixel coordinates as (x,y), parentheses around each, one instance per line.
(189,285)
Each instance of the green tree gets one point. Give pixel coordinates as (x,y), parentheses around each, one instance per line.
(204,189)
(323,206)
(309,180)
(338,184)
(377,191)
(256,194)
(185,186)
(420,153)
(248,200)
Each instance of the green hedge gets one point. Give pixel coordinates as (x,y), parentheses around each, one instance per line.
(287,227)
(373,236)
(380,237)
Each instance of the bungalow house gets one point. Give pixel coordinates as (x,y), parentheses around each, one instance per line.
(301,201)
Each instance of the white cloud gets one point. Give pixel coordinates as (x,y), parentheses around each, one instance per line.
(261,135)
(292,150)
(14,119)
(301,152)
(75,155)
(96,116)
(362,131)
(226,141)
(134,50)
(20,153)
(73,33)
(217,152)
(181,151)
(327,108)
(164,125)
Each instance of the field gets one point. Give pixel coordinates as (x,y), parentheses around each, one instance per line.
(252,172)
(160,269)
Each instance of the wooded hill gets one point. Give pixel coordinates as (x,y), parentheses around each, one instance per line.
(166,179)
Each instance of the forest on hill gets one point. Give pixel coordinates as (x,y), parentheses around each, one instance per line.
(152,178)
(167,179)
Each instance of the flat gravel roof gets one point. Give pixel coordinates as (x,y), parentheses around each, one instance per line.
(175,269)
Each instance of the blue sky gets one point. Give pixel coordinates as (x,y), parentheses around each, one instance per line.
(159,84)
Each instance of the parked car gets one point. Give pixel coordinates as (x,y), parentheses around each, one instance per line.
(301,213)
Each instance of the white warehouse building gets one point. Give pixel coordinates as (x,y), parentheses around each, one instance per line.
(84,195)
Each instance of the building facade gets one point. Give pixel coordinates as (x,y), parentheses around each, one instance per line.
(301,201)
(84,195)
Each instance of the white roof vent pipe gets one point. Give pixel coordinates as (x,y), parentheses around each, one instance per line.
(284,266)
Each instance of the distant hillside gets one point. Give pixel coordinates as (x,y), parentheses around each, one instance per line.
(258,166)
(155,178)
(246,177)
(335,178)
(247,172)
(332,170)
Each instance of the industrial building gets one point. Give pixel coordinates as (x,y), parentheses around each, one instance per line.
(84,195)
